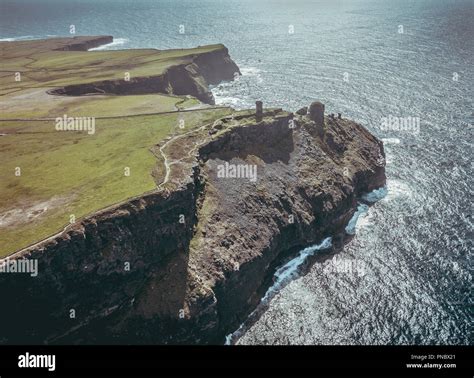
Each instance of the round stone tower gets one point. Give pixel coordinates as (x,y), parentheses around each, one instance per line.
(316,113)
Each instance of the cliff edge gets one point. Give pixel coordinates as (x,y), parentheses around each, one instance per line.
(190,74)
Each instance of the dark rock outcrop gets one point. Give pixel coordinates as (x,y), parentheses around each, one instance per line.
(303,111)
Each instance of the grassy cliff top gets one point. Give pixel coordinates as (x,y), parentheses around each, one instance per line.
(42,65)
(50,176)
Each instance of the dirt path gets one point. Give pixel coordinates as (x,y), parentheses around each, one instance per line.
(165,158)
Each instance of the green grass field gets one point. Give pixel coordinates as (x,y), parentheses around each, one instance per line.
(47,176)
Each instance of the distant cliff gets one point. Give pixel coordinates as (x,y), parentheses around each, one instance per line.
(189,263)
(192,76)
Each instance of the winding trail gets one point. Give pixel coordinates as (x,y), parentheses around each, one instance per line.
(165,158)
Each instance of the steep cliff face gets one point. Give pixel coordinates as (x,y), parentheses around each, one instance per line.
(189,265)
(309,180)
(192,77)
(96,267)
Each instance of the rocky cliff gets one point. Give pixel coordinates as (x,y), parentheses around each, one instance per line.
(189,263)
(192,77)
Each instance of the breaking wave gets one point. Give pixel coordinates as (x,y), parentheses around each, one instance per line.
(283,276)
(22,38)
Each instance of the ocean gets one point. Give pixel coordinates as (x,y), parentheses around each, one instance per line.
(401,68)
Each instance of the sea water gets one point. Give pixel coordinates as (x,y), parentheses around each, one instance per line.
(371,60)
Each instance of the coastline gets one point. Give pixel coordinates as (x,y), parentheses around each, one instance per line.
(190,283)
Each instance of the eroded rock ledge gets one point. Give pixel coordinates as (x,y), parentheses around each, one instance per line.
(196,281)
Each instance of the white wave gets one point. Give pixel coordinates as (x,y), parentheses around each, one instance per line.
(375,195)
(22,38)
(227,101)
(250,71)
(283,276)
(224,95)
(352,225)
(290,270)
(365,221)
(237,93)
(252,74)
(360,218)
(115,43)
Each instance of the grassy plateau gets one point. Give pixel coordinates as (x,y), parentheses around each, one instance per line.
(50,177)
